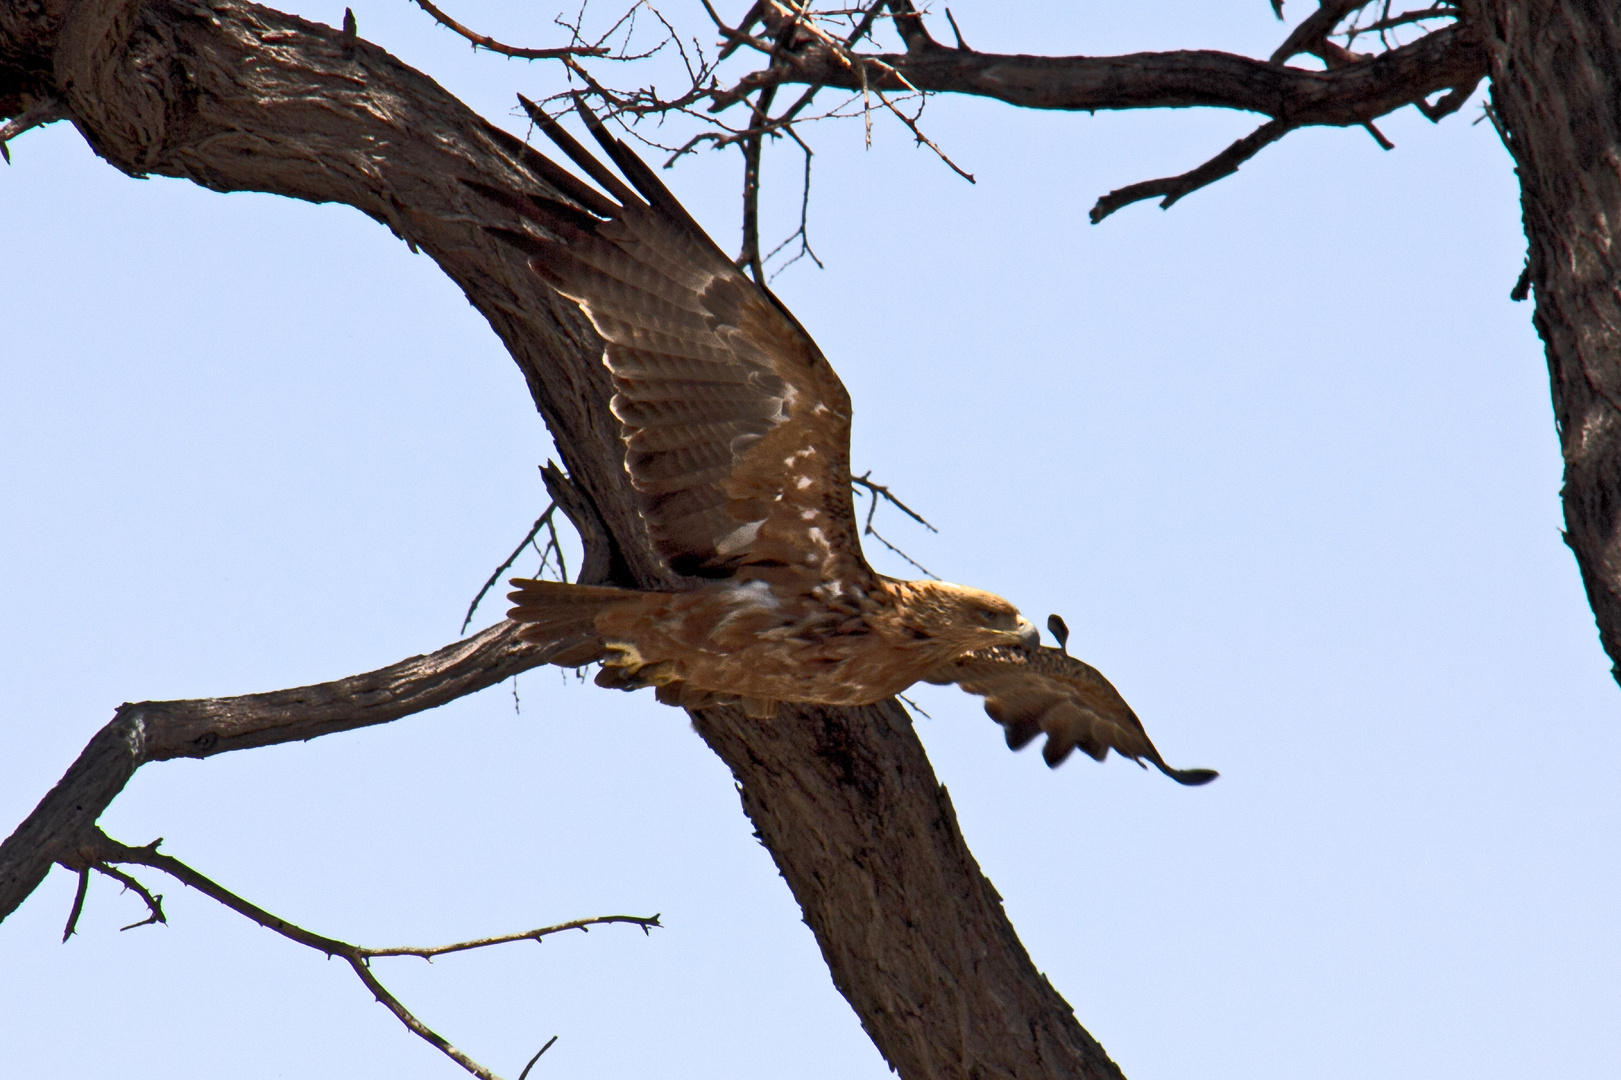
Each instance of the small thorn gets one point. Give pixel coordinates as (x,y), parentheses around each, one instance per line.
(1379,137)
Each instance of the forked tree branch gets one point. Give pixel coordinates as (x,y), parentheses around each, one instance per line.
(795,42)
(1344,96)
(1172,188)
(95,850)
(845,800)
(163,730)
(484,41)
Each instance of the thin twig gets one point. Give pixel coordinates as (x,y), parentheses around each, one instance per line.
(525,1074)
(412,1024)
(877,489)
(739,34)
(484,41)
(46,112)
(1407,18)
(555,546)
(786,25)
(544,520)
(1174,188)
(922,138)
(914,706)
(154,903)
(864,27)
(428,953)
(104,850)
(802,234)
(875,534)
(78,905)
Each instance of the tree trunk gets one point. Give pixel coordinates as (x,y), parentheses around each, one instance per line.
(1556,87)
(238,97)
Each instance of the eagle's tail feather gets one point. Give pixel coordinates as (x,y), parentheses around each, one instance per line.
(564,615)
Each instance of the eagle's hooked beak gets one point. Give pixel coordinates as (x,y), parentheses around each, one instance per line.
(1028,634)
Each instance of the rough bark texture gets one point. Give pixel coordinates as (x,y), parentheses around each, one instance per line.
(163,730)
(835,794)
(1556,83)
(1182,79)
(238,97)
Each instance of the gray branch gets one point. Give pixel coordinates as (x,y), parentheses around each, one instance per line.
(163,730)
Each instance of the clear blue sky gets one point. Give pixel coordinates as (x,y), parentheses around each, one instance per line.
(1282,456)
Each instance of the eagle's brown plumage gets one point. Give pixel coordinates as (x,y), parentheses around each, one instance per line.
(736,434)
(1044,691)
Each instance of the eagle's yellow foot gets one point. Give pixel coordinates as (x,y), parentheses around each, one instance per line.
(624,669)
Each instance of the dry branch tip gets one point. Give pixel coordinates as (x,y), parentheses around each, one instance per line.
(525,1074)
(103,851)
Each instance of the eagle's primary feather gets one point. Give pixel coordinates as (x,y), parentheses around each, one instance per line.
(736,436)
(1044,691)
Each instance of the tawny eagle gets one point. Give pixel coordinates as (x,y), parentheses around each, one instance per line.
(736,436)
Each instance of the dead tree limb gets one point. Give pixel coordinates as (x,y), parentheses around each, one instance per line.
(164,730)
(95,850)
(238,97)
(1349,95)
(802,43)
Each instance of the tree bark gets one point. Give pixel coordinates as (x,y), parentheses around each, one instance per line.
(1177,80)
(238,97)
(1556,88)
(914,935)
(163,730)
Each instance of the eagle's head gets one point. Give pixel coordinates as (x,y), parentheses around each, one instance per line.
(960,619)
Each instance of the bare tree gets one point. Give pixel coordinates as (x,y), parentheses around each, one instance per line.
(913,934)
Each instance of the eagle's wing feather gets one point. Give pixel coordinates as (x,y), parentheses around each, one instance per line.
(736,429)
(1048,691)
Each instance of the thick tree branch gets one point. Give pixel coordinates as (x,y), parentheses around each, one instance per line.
(1555,76)
(238,97)
(1349,95)
(836,794)
(163,730)
(796,44)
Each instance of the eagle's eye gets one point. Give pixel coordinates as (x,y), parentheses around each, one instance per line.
(990,616)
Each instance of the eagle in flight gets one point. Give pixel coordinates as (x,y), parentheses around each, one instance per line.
(736,436)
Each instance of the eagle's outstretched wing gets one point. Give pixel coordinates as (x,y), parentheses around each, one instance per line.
(736,429)
(1042,690)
